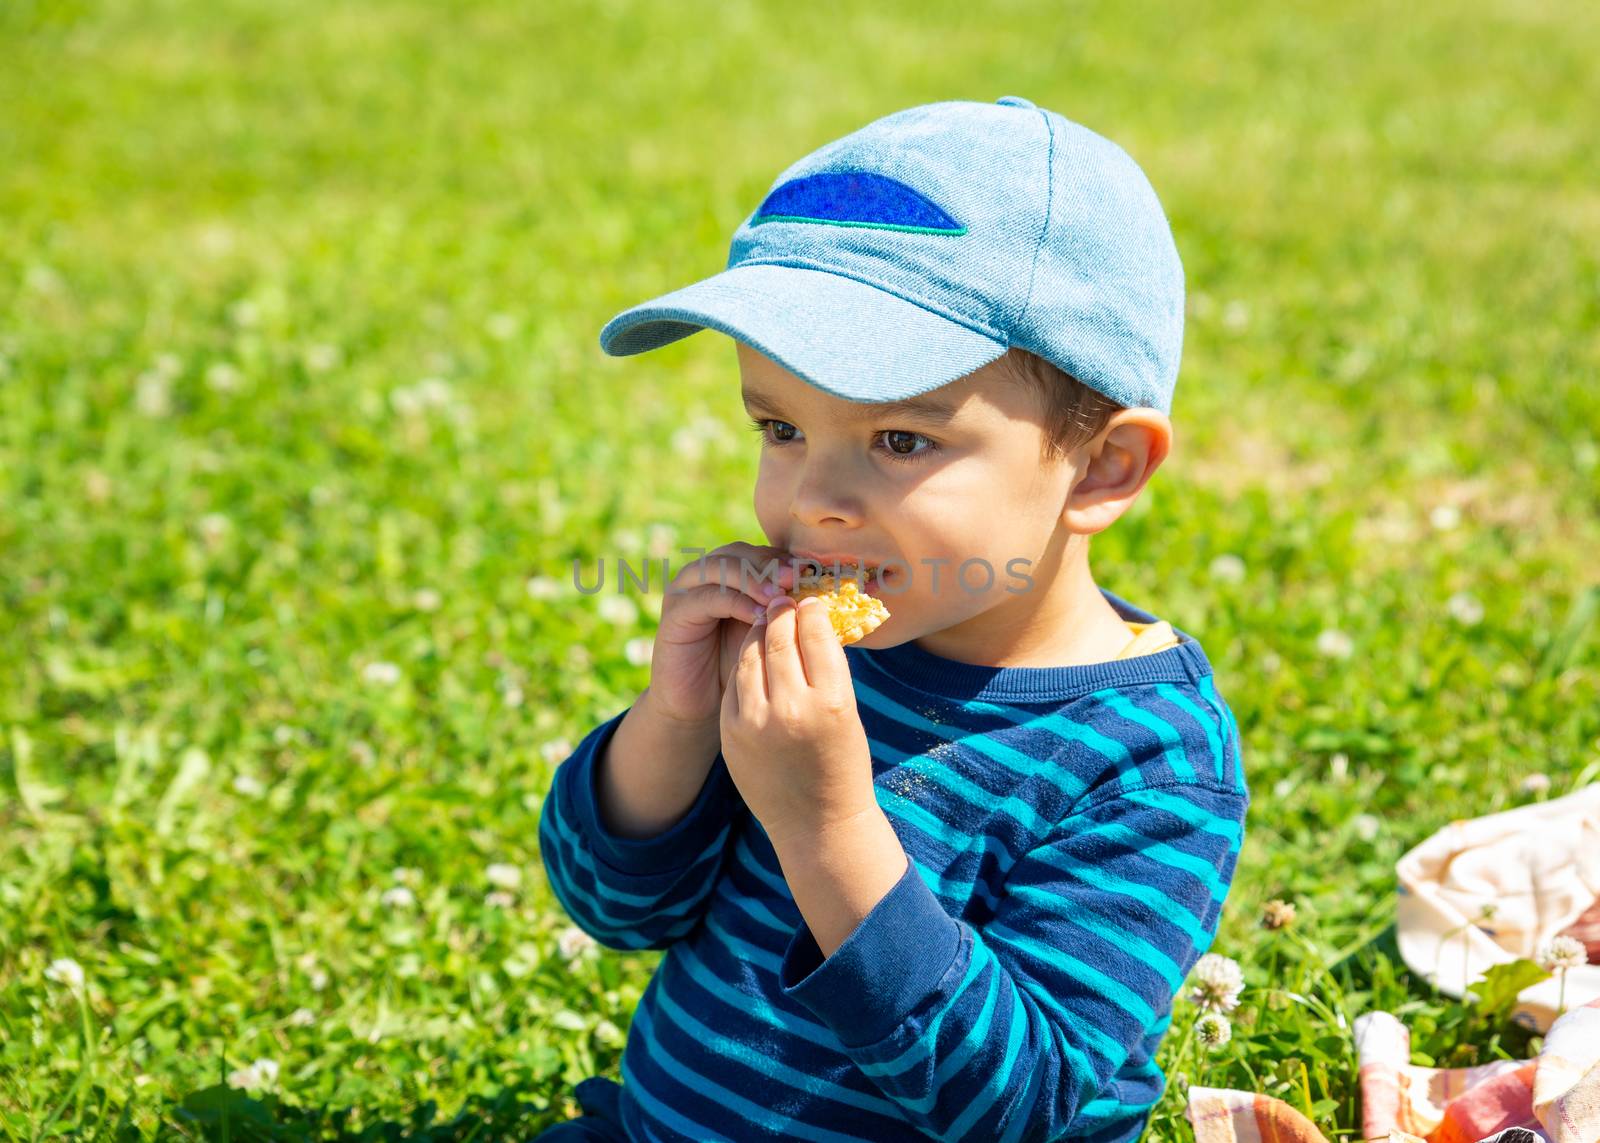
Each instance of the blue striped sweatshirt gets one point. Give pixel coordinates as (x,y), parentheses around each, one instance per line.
(1072,833)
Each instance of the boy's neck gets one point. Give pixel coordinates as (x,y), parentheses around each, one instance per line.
(1061,621)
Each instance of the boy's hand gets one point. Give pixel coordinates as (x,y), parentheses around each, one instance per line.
(705,617)
(791,734)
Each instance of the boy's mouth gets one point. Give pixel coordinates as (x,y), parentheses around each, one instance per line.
(870,575)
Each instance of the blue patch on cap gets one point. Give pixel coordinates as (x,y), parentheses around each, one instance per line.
(855,198)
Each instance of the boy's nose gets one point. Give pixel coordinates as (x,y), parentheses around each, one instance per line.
(826,496)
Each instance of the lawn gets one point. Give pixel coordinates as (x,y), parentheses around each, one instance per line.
(303,421)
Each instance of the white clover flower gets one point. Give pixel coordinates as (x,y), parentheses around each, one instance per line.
(317,979)
(65,970)
(501,326)
(426,599)
(570,1020)
(215,239)
(660,540)
(1535,784)
(639,651)
(153,394)
(214,527)
(1271,662)
(245,1078)
(1561,954)
(244,313)
(398,897)
(1277,914)
(619,609)
(406,875)
(381,673)
(221,377)
(511,694)
(43,278)
(1339,766)
(434,391)
(1236,315)
(262,1073)
(1218,981)
(429,393)
(543,587)
(503,875)
(1465,608)
(302,1018)
(608,1033)
(321,358)
(362,754)
(574,942)
(97,486)
(499,899)
(1335,644)
(248,785)
(1444,517)
(691,440)
(1227,568)
(555,751)
(1213,1030)
(1394,527)
(1366,826)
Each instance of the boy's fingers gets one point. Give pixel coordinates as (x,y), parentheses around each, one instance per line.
(750,675)
(784,672)
(820,651)
(730,699)
(740,566)
(705,607)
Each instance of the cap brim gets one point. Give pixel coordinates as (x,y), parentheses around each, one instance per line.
(844,336)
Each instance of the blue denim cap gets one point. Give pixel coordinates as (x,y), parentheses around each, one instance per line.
(921,247)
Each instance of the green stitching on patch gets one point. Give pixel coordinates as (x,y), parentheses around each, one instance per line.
(865,225)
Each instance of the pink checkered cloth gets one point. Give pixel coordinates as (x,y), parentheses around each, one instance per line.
(1536,867)
(1553,1098)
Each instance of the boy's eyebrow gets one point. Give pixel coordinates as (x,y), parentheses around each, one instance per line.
(927,408)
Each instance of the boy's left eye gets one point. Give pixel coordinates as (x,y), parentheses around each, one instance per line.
(896,437)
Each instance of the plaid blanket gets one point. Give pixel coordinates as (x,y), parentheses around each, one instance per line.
(1552,1098)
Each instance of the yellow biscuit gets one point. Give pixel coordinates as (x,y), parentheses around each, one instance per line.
(853,613)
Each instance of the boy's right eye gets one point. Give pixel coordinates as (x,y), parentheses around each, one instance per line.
(760,426)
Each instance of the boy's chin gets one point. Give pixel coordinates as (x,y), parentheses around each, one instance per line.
(879,639)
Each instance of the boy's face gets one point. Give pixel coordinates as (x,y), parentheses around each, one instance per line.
(850,479)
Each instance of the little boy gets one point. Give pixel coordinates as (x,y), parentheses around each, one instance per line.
(943,882)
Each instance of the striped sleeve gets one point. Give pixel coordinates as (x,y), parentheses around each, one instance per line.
(1011,1032)
(632,893)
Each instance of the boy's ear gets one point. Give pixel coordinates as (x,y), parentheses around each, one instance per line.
(1114,468)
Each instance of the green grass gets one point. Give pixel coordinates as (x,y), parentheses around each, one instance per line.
(237,238)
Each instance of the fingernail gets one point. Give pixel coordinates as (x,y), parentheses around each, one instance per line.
(770,591)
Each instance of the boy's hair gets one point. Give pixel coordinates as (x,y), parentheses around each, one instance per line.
(1074,413)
